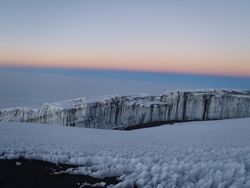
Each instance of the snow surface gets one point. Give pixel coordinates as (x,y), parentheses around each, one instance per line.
(194,154)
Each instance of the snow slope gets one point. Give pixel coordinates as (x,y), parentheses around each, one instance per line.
(123,111)
(194,154)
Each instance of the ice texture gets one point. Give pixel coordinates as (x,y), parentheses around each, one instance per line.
(123,111)
(193,154)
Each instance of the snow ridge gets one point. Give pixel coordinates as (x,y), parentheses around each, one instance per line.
(123,111)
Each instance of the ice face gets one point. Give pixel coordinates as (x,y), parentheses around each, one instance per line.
(123,111)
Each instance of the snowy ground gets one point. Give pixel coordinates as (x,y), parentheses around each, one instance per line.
(194,154)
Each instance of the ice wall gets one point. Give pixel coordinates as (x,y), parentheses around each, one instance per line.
(120,112)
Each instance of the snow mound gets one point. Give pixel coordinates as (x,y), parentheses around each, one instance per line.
(194,154)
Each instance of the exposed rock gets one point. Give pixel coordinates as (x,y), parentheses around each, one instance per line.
(121,112)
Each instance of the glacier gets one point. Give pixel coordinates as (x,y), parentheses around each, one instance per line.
(126,111)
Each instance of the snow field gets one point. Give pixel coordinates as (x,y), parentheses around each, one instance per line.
(194,154)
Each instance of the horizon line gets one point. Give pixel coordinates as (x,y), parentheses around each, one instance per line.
(37,67)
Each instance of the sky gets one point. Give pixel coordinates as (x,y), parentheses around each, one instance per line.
(195,37)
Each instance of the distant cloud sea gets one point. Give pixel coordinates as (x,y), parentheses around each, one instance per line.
(35,86)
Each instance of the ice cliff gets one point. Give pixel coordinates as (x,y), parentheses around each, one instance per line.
(122,112)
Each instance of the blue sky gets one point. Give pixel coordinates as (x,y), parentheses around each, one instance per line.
(56,50)
(201,37)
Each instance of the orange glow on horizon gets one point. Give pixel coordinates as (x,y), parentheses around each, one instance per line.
(185,61)
(148,66)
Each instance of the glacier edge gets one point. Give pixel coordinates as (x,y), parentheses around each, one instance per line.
(124,111)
